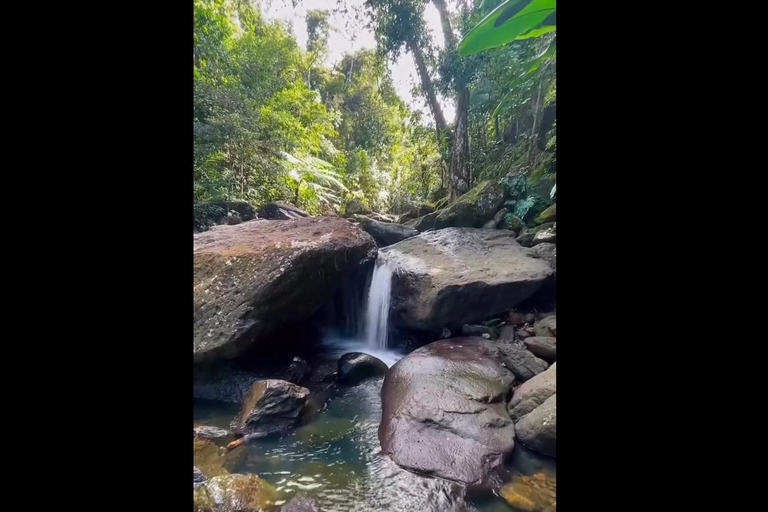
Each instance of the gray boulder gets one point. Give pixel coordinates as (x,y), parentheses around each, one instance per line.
(538,429)
(444,411)
(521,361)
(457,276)
(271,406)
(301,503)
(281,211)
(356,367)
(533,393)
(545,251)
(474,208)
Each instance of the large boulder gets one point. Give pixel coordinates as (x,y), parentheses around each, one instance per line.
(271,406)
(253,278)
(235,493)
(281,211)
(538,429)
(424,222)
(457,276)
(474,208)
(385,233)
(301,503)
(355,367)
(243,209)
(533,393)
(444,411)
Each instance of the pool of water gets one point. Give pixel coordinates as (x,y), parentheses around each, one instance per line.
(337,459)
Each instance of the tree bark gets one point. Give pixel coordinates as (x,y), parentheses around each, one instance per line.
(459,177)
(445,21)
(428,87)
(533,128)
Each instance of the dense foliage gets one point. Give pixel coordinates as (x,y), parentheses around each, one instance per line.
(273,122)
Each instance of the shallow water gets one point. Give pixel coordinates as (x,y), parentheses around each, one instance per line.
(337,459)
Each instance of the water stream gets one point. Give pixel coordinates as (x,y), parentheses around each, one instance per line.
(337,457)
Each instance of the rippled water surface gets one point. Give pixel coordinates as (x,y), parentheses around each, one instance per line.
(337,459)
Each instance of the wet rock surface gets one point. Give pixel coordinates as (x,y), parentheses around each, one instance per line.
(271,406)
(533,393)
(253,278)
(212,460)
(523,364)
(235,493)
(457,276)
(206,432)
(385,233)
(301,503)
(444,410)
(544,347)
(537,493)
(356,367)
(538,429)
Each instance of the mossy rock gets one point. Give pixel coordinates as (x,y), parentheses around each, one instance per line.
(235,493)
(512,222)
(548,215)
(474,208)
(209,459)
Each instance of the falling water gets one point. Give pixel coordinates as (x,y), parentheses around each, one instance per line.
(376,323)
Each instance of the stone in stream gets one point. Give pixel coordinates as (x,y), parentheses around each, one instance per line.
(298,372)
(547,326)
(254,278)
(355,367)
(210,460)
(544,347)
(444,411)
(271,406)
(301,503)
(206,432)
(384,233)
(530,494)
(235,493)
(475,330)
(197,476)
(456,276)
(538,429)
(533,393)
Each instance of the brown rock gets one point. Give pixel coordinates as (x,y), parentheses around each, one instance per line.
(271,406)
(544,347)
(235,493)
(253,278)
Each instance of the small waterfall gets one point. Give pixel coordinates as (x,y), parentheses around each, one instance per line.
(376,322)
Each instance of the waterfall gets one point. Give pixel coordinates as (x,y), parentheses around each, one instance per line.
(376,321)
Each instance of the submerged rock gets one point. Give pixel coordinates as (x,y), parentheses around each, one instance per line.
(205,432)
(210,460)
(457,276)
(271,406)
(235,493)
(544,347)
(197,476)
(385,233)
(300,503)
(444,410)
(355,367)
(253,278)
(533,393)
(530,494)
(538,429)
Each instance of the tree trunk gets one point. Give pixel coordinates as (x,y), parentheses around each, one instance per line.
(445,21)
(533,128)
(428,87)
(459,177)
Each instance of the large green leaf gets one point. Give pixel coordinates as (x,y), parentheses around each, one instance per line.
(510,20)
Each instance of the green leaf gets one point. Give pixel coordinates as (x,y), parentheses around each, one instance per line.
(507,22)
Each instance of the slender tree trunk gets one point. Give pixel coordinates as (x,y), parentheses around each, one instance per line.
(445,21)
(428,87)
(533,128)
(459,177)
